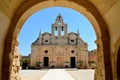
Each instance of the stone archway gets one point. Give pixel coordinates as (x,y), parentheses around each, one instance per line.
(118,64)
(27,8)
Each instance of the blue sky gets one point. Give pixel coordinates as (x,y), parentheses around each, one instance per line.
(43,19)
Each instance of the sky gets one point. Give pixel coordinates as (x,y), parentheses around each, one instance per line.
(42,21)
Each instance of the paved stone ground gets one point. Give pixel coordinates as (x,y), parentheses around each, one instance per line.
(57,74)
(32,74)
(82,74)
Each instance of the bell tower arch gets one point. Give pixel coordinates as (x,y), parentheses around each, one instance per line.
(59,28)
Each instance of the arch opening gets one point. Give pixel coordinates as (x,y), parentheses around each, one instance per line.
(83,37)
(91,13)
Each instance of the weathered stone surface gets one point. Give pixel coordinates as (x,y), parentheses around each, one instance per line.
(17,11)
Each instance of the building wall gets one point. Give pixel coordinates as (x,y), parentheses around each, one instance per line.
(112,18)
(92,58)
(54,51)
(4,24)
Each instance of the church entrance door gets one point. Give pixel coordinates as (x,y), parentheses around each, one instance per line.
(72,62)
(59,61)
(46,61)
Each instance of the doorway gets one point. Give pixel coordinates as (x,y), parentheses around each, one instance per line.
(72,62)
(46,61)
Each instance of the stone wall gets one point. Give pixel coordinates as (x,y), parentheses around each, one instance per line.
(54,51)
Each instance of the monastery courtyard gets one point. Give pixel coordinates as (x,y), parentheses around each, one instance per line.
(57,74)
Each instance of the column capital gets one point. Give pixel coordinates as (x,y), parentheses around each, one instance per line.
(12,41)
(99,40)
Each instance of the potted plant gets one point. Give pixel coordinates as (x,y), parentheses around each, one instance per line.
(93,64)
(80,64)
(66,63)
(52,63)
(38,65)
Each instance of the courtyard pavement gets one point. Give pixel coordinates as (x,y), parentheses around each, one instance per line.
(32,74)
(82,74)
(57,74)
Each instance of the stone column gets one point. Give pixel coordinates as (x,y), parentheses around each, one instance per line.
(86,59)
(59,31)
(14,61)
(65,30)
(100,69)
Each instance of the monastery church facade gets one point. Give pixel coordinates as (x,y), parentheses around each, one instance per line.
(59,48)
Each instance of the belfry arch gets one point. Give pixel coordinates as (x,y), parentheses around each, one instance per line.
(27,8)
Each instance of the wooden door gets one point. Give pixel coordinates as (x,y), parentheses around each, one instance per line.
(46,61)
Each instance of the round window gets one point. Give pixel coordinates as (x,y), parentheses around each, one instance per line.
(46,51)
(72,51)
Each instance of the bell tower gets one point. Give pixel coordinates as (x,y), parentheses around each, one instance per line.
(59,28)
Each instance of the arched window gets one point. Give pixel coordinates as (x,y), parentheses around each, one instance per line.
(55,28)
(56,31)
(62,31)
(62,28)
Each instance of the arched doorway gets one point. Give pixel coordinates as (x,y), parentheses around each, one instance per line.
(118,64)
(85,7)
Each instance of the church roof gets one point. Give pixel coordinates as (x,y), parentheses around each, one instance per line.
(46,33)
(35,42)
(72,33)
